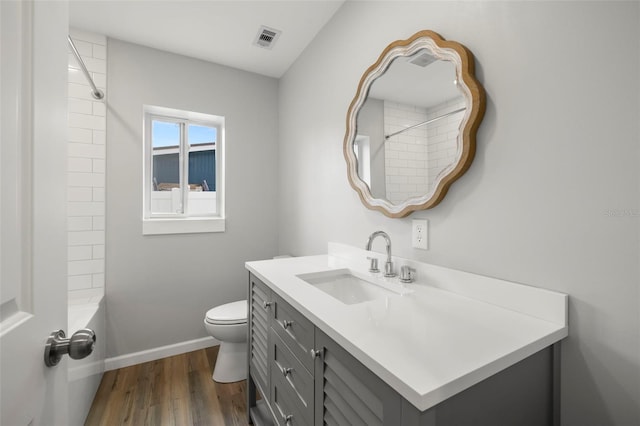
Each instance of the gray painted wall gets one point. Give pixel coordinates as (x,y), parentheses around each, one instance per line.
(159,287)
(545,202)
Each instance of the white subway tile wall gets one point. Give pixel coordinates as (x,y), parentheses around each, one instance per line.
(414,159)
(442,149)
(406,153)
(86,168)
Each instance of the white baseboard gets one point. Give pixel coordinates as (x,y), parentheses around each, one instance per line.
(85,370)
(158,353)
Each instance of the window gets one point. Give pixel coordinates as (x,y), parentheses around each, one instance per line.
(184,172)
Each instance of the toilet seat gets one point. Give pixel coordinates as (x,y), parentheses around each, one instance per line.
(228,314)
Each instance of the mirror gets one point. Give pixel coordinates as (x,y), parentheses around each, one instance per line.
(411,126)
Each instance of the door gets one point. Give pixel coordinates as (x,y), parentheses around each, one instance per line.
(33,293)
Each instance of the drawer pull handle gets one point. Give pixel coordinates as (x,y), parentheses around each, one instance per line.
(286,324)
(286,371)
(266,304)
(315,353)
(287,419)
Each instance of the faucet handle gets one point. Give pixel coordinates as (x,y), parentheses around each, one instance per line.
(407,274)
(388,270)
(374,264)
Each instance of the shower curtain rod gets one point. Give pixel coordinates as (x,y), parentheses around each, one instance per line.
(425,122)
(95,92)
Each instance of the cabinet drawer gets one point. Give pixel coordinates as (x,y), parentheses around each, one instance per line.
(295,377)
(297,332)
(285,404)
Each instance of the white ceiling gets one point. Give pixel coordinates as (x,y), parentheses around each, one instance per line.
(410,84)
(213,30)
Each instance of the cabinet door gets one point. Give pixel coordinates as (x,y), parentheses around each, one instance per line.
(348,393)
(259,318)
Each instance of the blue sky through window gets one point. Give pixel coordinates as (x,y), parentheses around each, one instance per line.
(201,134)
(168,134)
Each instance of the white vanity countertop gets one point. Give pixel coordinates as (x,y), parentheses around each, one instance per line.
(452,331)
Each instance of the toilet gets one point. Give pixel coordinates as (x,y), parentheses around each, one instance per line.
(228,324)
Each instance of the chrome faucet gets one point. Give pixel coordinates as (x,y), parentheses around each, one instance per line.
(388,266)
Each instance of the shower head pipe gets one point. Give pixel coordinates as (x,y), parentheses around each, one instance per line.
(95,92)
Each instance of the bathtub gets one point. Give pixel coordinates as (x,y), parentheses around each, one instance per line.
(84,375)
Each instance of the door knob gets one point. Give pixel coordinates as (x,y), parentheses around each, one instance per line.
(79,346)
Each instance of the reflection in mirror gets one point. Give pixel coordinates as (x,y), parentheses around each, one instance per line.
(411,112)
(362,149)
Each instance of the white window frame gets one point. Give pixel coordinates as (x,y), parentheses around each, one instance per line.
(174,223)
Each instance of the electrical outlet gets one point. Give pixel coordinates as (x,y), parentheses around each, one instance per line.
(419,234)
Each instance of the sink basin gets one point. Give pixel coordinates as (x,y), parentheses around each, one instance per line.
(351,287)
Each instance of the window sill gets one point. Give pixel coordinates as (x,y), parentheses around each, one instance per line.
(189,225)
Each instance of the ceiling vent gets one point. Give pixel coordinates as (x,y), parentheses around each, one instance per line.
(266,37)
(422,59)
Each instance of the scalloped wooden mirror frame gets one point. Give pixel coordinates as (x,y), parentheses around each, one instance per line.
(475,106)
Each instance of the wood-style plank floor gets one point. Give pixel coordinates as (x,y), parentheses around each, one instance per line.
(174,391)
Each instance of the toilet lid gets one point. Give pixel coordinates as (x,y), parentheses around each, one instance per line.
(230,313)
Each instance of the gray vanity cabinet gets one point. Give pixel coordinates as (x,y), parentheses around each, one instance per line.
(306,378)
